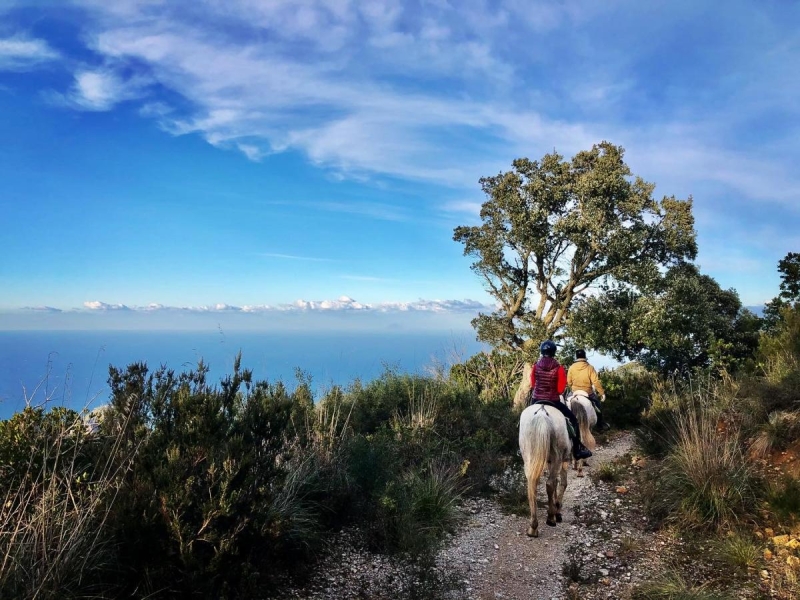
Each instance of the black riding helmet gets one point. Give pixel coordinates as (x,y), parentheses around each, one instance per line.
(548,348)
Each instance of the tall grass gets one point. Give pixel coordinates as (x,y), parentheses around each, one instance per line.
(673,586)
(56,504)
(706,480)
(738,551)
(776,433)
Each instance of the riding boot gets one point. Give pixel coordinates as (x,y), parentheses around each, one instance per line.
(579,451)
(601,423)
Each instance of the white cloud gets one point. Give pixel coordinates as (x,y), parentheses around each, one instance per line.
(101,89)
(341,304)
(22,53)
(97,305)
(444,93)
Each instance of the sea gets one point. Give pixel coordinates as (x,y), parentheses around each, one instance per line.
(70,368)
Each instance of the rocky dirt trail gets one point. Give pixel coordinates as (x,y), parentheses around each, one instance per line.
(490,557)
(494,559)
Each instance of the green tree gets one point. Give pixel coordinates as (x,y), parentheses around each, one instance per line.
(681,321)
(553,228)
(789,296)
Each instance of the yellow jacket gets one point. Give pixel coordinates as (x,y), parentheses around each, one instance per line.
(582,376)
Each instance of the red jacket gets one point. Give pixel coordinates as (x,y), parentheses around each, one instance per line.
(550,381)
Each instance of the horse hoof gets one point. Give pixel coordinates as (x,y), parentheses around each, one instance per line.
(551,522)
(580,474)
(559,518)
(532,532)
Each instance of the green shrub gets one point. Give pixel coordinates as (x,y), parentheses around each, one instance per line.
(784,497)
(219,490)
(737,552)
(628,390)
(705,480)
(672,586)
(780,429)
(226,486)
(492,375)
(607,471)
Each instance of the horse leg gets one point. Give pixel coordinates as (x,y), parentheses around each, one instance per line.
(551,496)
(562,486)
(579,464)
(533,528)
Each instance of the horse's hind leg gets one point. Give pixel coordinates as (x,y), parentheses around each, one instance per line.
(562,486)
(579,464)
(552,511)
(533,528)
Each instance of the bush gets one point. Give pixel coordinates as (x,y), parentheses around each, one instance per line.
(59,483)
(672,586)
(221,490)
(706,480)
(784,497)
(780,429)
(737,552)
(608,472)
(492,375)
(628,390)
(225,486)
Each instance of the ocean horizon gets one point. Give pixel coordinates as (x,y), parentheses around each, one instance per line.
(70,368)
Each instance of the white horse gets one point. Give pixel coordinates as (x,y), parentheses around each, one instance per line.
(582,408)
(544,441)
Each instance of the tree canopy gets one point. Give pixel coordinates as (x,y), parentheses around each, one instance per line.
(681,321)
(789,296)
(554,228)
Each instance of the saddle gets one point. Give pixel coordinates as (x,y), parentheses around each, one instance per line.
(570,430)
(591,397)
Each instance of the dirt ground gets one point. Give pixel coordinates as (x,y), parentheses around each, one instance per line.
(495,559)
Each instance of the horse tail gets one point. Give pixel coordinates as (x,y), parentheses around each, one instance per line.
(583,424)
(536,446)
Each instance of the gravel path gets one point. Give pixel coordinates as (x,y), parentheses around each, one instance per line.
(491,557)
(495,559)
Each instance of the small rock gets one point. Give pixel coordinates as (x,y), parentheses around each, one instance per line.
(780,540)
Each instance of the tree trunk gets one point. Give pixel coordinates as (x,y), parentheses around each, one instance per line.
(524,389)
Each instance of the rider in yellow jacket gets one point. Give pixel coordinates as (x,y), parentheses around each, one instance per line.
(583,376)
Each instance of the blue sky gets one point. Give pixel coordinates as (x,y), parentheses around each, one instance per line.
(286,163)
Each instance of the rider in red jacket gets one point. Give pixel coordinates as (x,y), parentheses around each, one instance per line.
(548,382)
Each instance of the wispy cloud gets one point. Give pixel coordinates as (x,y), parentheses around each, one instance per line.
(101,90)
(382,87)
(441,93)
(23,53)
(471,207)
(368,278)
(42,309)
(295,257)
(375,210)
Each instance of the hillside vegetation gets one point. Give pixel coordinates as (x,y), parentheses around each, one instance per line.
(182,487)
(229,489)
